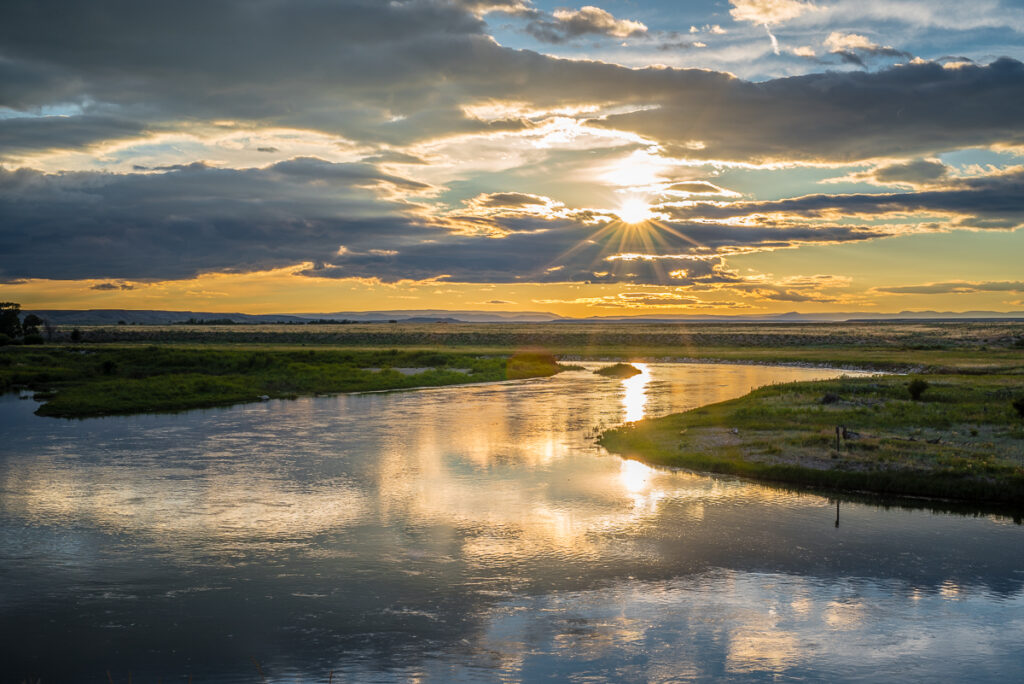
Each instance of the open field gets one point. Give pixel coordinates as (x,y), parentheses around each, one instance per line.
(915,345)
(103,380)
(962,439)
(581,336)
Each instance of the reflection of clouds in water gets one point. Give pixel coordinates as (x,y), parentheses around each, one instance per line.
(174,508)
(727,624)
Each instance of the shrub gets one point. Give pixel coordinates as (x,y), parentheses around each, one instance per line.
(5,339)
(32,338)
(76,335)
(916,388)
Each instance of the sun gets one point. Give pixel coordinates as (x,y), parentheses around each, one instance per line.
(634,210)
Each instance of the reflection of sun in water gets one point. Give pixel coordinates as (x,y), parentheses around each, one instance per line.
(635,398)
(635,210)
(635,475)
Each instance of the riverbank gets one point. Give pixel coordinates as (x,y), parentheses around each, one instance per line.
(95,380)
(962,439)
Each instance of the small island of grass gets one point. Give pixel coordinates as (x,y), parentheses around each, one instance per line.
(962,437)
(619,370)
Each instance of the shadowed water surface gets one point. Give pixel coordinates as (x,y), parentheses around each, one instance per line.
(471,533)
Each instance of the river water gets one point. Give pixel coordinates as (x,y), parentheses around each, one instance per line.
(471,533)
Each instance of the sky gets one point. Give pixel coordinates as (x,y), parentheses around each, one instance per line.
(632,157)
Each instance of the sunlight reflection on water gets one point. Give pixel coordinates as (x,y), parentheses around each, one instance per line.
(634,399)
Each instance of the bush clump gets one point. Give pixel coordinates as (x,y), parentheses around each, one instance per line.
(1018,404)
(619,370)
(916,388)
(531,365)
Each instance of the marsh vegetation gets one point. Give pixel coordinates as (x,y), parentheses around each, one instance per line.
(104,380)
(960,439)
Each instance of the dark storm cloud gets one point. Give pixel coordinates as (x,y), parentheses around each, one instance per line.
(192,219)
(988,202)
(905,110)
(914,172)
(19,135)
(397,72)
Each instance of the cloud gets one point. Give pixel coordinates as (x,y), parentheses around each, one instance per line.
(112,286)
(396,73)
(565,24)
(404,78)
(648,300)
(559,250)
(482,7)
(994,202)
(344,220)
(853,48)
(955,287)
(841,117)
(837,41)
(20,135)
(688,188)
(769,11)
(194,219)
(511,199)
(394,157)
(917,172)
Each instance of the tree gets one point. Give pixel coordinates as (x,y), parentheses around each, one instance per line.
(30,326)
(10,320)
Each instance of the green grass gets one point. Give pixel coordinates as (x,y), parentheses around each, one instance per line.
(963,440)
(102,380)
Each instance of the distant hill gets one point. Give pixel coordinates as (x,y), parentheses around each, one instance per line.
(158,317)
(155,317)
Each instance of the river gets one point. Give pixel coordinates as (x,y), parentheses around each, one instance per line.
(472,533)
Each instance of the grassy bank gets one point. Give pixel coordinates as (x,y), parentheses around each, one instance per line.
(101,380)
(962,439)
